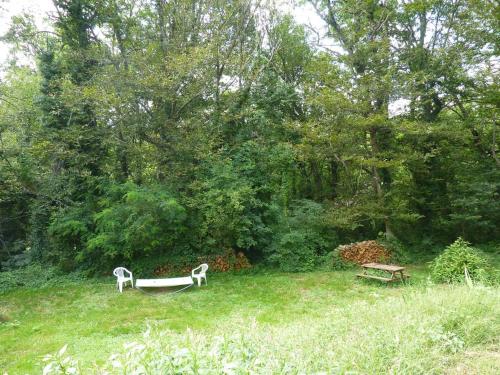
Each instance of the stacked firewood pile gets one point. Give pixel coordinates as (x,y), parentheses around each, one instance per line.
(364,252)
(228,261)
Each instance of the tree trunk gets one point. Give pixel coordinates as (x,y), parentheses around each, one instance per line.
(377,183)
(334,178)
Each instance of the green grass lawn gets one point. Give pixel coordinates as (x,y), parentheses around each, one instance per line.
(363,321)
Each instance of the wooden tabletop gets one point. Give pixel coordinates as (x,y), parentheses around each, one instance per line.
(383,267)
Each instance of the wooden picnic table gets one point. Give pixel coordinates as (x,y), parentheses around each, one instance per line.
(397,272)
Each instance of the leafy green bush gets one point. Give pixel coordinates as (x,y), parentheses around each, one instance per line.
(450,266)
(297,251)
(128,221)
(21,258)
(303,239)
(232,213)
(68,232)
(35,275)
(134,221)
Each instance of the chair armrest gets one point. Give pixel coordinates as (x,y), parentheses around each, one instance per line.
(195,269)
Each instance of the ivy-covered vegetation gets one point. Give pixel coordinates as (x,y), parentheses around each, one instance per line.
(182,128)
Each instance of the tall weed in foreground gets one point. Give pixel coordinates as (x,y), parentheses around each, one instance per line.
(424,332)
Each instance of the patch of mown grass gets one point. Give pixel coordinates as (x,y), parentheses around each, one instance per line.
(95,321)
(437,330)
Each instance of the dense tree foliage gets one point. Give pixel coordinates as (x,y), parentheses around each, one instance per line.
(184,127)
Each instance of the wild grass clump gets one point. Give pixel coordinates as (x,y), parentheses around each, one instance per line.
(450,265)
(3,317)
(425,331)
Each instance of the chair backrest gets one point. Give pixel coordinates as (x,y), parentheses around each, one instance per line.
(120,272)
(203,268)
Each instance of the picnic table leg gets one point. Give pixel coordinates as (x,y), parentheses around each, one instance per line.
(403,278)
(395,276)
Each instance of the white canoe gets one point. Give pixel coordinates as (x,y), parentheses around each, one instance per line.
(159,283)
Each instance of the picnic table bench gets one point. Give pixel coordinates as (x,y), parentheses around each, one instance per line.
(397,272)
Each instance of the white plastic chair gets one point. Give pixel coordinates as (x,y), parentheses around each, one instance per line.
(200,275)
(121,278)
